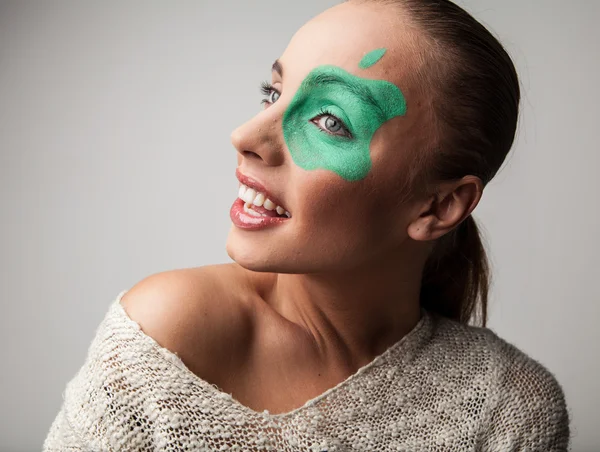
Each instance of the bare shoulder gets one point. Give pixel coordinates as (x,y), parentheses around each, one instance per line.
(197,313)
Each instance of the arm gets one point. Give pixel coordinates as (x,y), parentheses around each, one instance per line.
(61,437)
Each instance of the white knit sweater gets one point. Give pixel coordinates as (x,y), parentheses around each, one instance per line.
(443,387)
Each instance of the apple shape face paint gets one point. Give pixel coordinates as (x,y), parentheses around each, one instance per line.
(363,105)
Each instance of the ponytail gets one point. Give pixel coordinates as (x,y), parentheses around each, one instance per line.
(456,276)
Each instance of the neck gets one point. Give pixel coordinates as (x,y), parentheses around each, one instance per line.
(355,315)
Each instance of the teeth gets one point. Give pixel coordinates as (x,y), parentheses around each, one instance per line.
(269,205)
(259,200)
(251,196)
(248,210)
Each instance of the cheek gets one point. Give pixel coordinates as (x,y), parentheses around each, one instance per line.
(335,211)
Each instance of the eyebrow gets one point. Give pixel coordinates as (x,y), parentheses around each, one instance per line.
(277,68)
(357,89)
(328,79)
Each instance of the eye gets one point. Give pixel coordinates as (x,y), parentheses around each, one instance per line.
(268,90)
(329,123)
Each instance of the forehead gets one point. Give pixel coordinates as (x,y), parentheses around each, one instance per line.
(344,34)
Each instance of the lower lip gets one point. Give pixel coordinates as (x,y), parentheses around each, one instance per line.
(244,220)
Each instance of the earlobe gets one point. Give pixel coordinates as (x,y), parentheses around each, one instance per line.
(420,229)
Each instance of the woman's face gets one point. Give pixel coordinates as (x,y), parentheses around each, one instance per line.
(334,144)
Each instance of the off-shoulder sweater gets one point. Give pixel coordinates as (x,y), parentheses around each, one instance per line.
(444,386)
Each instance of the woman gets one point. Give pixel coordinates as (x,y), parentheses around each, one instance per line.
(344,322)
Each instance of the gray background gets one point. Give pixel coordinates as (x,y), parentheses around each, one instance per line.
(115,163)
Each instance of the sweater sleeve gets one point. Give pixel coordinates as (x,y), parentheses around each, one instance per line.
(530,413)
(61,436)
(103,404)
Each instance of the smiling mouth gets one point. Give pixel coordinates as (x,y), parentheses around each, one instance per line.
(257,204)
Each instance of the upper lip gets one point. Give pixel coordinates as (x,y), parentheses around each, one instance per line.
(258,186)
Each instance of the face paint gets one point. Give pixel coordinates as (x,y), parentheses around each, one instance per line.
(363,105)
(371,58)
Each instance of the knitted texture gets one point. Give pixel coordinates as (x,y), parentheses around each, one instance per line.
(444,386)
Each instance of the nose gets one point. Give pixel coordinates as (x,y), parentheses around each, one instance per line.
(260,138)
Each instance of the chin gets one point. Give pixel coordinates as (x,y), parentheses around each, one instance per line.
(250,252)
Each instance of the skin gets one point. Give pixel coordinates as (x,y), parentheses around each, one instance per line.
(346,268)
(309,302)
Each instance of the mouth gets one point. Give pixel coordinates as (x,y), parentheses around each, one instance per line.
(258,201)
(257,204)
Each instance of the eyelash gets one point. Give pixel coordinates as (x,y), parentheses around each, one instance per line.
(266,89)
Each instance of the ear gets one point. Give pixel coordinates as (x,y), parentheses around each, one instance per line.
(453,202)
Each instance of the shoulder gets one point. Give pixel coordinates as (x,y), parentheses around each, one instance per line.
(197,313)
(526,406)
(524,383)
(485,346)
(530,409)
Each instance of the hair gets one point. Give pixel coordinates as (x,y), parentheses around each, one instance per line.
(475,109)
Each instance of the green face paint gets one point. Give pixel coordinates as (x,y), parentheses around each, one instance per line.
(363,105)
(371,58)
